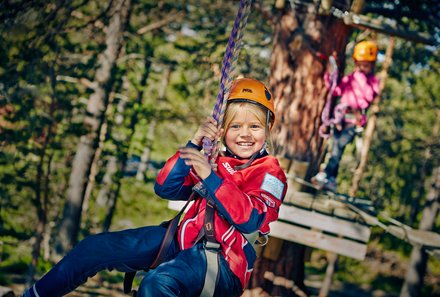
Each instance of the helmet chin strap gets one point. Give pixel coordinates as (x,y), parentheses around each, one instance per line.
(252,158)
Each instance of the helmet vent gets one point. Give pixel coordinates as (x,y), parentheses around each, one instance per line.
(267,93)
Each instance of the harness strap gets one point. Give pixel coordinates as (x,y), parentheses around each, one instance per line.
(212,268)
(128,281)
(163,250)
(169,236)
(212,249)
(209,223)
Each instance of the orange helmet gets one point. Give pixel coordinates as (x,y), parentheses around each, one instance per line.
(365,51)
(253,91)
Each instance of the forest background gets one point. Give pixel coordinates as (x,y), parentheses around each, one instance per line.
(61,97)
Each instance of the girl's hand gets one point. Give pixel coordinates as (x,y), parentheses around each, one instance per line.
(207,129)
(197,160)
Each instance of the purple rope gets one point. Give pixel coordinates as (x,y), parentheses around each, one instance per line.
(227,61)
(325,116)
(225,71)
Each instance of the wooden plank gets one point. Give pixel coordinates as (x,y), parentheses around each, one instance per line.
(299,169)
(383,25)
(318,240)
(284,163)
(324,222)
(414,236)
(299,198)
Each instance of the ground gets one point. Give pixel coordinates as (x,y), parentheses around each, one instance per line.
(96,287)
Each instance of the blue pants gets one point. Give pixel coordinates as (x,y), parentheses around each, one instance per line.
(340,141)
(183,273)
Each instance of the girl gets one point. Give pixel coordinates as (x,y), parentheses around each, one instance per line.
(241,197)
(357,91)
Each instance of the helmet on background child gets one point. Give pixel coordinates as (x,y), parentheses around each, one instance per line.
(365,51)
(252,91)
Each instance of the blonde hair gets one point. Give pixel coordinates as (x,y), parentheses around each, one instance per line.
(258,111)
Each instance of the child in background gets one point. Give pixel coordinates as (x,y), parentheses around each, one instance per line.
(240,198)
(357,91)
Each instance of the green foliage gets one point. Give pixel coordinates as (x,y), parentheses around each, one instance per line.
(114,277)
(14,255)
(140,206)
(48,61)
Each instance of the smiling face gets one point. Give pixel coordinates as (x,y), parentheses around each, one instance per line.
(245,132)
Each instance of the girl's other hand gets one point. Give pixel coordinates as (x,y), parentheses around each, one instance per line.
(197,160)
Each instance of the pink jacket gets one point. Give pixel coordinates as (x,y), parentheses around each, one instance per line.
(357,90)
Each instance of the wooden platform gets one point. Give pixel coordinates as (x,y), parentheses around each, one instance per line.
(319,222)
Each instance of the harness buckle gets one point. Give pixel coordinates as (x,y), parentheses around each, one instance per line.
(208,226)
(211,246)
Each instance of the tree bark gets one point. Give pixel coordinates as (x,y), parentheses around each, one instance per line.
(42,180)
(302,42)
(418,262)
(116,168)
(145,158)
(96,106)
(110,170)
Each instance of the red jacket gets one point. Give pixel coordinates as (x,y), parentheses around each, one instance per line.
(246,201)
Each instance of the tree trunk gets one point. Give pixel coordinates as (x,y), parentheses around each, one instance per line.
(118,162)
(415,203)
(41,206)
(113,176)
(107,181)
(94,167)
(297,79)
(418,262)
(96,106)
(42,179)
(302,41)
(111,204)
(145,158)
